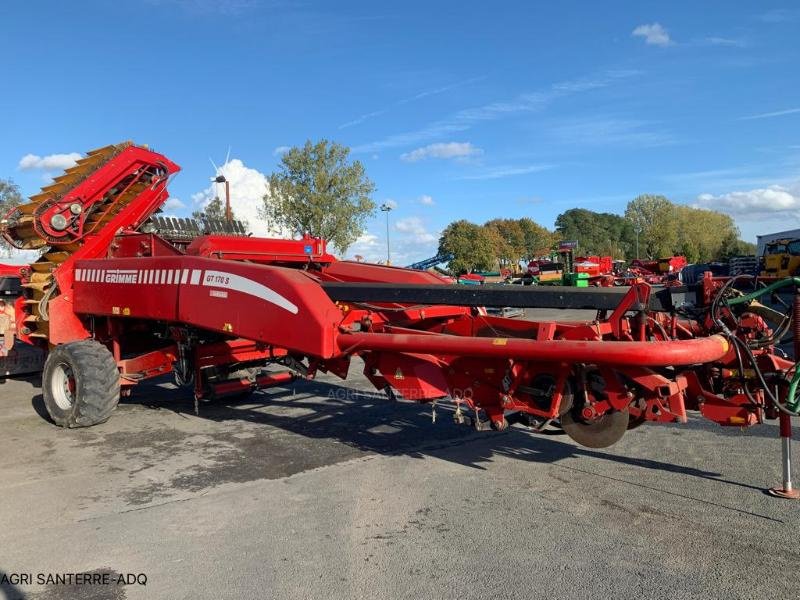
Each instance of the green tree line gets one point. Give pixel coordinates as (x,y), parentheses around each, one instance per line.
(652,227)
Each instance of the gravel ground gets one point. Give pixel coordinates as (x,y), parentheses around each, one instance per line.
(325,491)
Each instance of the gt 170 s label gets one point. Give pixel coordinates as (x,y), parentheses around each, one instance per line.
(215,278)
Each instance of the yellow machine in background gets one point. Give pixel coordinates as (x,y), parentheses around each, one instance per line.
(781,258)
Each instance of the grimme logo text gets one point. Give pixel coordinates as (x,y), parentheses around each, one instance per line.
(120,276)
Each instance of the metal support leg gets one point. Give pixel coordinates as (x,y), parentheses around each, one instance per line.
(787,491)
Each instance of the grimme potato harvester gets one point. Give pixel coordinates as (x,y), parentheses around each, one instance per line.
(121,294)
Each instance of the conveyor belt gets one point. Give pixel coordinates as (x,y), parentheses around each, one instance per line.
(661,299)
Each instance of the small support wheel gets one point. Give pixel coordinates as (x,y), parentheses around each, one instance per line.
(80,384)
(499,425)
(600,432)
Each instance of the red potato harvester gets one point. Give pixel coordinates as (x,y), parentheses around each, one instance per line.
(121,294)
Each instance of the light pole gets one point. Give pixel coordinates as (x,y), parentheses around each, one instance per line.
(387,208)
(221,179)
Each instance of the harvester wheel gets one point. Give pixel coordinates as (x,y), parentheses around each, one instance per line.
(80,384)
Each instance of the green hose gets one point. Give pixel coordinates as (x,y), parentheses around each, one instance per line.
(792,400)
(767,290)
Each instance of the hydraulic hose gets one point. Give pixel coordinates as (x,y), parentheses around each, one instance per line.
(763,291)
(792,399)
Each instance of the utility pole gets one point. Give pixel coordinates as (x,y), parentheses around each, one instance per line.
(387,208)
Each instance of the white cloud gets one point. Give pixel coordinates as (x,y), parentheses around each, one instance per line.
(775,200)
(508,171)
(780,15)
(12,256)
(281,150)
(415,230)
(609,130)
(229,8)
(248,188)
(362,118)
(369,246)
(458,150)
(51,162)
(769,115)
(721,41)
(426,200)
(418,96)
(463,120)
(410,241)
(654,34)
(173,204)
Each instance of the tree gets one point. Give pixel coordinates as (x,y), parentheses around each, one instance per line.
(665,229)
(509,240)
(704,235)
(10,197)
(472,247)
(538,240)
(317,190)
(604,234)
(655,219)
(215,209)
(733,246)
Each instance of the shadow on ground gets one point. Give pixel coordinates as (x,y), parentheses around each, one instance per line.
(370,422)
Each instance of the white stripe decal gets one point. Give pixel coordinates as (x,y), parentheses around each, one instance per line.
(185,276)
(195,277)
(78,274)
(177,276)
(151,276)
(169,276)
(247,286)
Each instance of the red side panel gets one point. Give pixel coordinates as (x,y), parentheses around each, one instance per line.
(344,270)
(261,250)
(273,305)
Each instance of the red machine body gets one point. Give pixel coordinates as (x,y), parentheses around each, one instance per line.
(219,308)
(594,266)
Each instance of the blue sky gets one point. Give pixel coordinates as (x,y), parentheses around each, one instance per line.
(457,109)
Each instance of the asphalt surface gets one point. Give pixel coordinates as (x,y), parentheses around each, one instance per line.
(328,490)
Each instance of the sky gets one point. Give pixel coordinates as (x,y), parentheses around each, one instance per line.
(465,109)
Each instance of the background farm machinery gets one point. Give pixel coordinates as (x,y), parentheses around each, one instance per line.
(120,294)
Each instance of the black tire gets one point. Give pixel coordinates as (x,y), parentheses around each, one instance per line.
(80,384)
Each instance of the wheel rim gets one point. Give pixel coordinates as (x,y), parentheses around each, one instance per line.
(62,383)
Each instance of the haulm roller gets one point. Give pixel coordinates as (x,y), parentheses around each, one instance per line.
(121,294)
